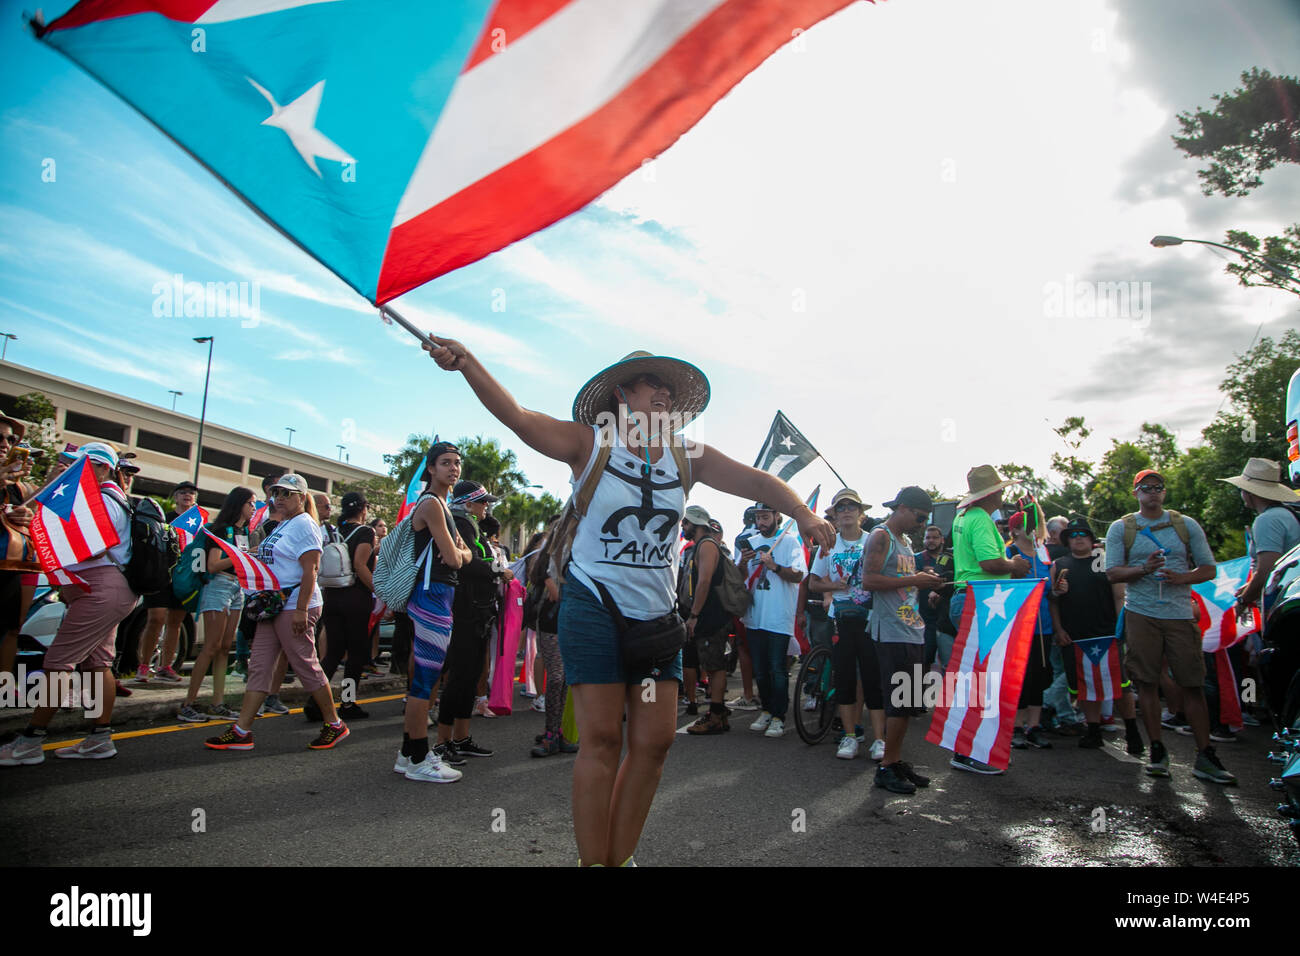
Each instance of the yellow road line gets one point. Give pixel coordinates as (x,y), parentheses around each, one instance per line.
(126,735)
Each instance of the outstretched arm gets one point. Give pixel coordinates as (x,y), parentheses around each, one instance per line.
(716,470)
(569,442)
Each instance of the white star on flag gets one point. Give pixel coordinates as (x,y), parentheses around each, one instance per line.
(996,603)
(59,491)
(192,522)
(298,120)
(1225,585)
(786,442)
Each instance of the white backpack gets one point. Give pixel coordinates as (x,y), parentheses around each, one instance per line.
(336,564)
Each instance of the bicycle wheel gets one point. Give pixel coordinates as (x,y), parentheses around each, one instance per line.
(814,692)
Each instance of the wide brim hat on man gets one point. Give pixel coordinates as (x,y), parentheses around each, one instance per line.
(1262,477)
(19,428)
(982,481)
(849,495)
(690,386)
(697,515)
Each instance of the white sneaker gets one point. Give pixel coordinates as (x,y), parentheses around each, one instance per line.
(848,747)
(878,750)
(89,749)
(431,770)
(539,704)
(810,703)
(22,752)
(776,728)
(403,763)
(764,720)
(743,703)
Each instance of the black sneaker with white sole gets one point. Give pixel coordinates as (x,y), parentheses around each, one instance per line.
(468,748)
(448,754)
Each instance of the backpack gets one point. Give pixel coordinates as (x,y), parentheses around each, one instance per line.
(155,548)
(560,547)
(1176,521)
(397,563)
(191,571)
(731,590)
(336,562)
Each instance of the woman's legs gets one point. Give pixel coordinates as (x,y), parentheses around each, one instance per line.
(220,655)
(549,648)
(599,711)
(214,629)
(651,726)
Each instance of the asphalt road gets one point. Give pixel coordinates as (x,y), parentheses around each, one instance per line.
(734,799)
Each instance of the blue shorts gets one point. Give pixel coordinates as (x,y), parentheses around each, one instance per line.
(589,644)
(222,593)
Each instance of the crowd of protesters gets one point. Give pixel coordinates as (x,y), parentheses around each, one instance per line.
(629,588)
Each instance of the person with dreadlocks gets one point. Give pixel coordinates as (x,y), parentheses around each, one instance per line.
(1028,537)
(472,612)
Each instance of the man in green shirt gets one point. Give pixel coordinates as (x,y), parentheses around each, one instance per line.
(979,554)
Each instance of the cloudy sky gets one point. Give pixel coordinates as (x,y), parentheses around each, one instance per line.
(891,231)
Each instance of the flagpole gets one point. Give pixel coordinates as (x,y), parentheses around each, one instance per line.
(782,414)
(386,313)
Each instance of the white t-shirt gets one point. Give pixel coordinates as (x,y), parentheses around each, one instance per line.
(774,598)
(836,565)
(281,550)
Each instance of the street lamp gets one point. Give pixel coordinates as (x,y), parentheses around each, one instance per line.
(341,449)
(290,431)
(203,413)
(1282,268)
(175,395)
(5,348)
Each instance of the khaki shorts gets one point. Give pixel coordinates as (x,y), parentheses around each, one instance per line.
(713,651)
(1151,638)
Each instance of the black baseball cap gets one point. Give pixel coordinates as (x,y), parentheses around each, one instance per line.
(186,486)
(912,497)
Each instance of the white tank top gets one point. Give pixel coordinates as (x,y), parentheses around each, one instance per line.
(628,540)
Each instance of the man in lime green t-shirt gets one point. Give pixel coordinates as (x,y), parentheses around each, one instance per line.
(979,554)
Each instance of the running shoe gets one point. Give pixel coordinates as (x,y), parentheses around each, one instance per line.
(1249,720)
(1209,767)
(971,765)
(893,780)
(547,744)
(222,712)
(1035,737)
(403,763)
(432,770)
(230,741)
(907,771)
(353,711)
(121,689)
(192,715)
(22,752)
(539,704)
(743,703)
(272,705)
(762,723)
(329,736)
(1173,721)
(1159,762)
(848,748)
(446,752)
(167,675)
(1018,740)
(468,748)
(142,675)
(1222,734)
(776,728)
(877,750)
(95,747)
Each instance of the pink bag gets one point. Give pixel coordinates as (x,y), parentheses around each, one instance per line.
(501,693)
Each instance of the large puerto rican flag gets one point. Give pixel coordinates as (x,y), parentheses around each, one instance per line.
(72,523)
(397,140)
(253,575)
(987,669)
(188,524)
(1215,603)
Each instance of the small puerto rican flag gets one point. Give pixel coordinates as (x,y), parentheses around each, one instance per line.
(1098,668)
(187,525)
(253,575)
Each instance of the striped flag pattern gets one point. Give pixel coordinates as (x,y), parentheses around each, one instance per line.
(72,523)
(253,575)
(989,656)
(1215,603)
(187,525)
(258,516)
(1098,668)
(56,578)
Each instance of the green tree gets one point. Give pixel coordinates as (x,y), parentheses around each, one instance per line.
(1249,131)
(402,464)
(1110,493)
(42,432)
(497,470)
(384,496)
(1159,444)
(1277,265)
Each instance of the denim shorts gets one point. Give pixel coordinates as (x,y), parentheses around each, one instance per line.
(221,593)
(589,644)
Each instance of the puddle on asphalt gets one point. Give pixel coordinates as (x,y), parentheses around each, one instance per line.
(1077,835)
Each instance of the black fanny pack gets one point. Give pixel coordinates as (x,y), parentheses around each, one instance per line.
(646,644)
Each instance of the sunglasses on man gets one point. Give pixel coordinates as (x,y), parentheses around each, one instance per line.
(1151,489)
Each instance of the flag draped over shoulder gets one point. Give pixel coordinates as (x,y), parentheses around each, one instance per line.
(253,575)
(786,451)
(977,710)
(1215,602)
(397,140)
(72,523)
(187,525)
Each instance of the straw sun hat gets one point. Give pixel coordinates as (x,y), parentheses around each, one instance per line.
(689,385)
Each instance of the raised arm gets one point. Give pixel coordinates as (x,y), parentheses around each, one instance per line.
(713,468)
(569,442)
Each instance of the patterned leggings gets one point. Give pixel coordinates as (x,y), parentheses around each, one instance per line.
(549,647)
(430,613)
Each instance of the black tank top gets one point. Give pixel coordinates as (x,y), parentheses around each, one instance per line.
(424,539)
